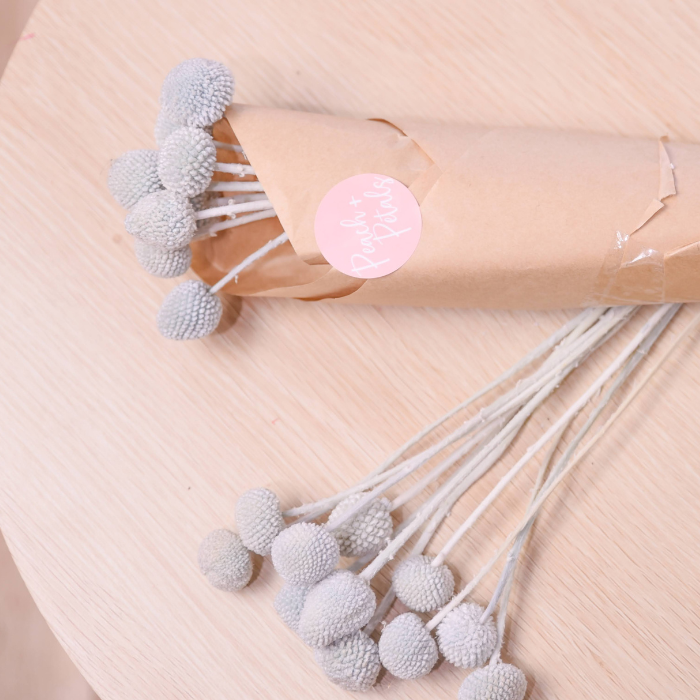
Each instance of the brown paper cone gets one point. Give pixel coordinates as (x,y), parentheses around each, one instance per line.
(512,218)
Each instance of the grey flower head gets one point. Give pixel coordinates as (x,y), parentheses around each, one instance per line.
(225,561)
(289,603)
(351,662)
(259,519)
(463,639)
(339,605)
(304,553)
(366,532)
(164,219)
(406,649)
(165,126)
(186,161)
(200,201)
(190,311)
(421,586)
(134,175)
(162,262)
(196,92)
(494,682)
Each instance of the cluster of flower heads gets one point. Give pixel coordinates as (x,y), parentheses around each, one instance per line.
(171,197)
(334,610)
(331,604)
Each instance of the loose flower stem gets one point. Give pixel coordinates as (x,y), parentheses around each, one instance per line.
(253,257)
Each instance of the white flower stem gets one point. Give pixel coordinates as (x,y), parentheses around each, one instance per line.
(236,199)
(233,209)
(563,420)
(437,472)
(234,169)
(434,474)
(253,257)
(528,359)
(502,591)
(318,508)
(513,399)
(213,229)
(447,500)
(229,147)
(234,186)
(418,549)
(631,347)
(509,567)
(474,469)
(492,452)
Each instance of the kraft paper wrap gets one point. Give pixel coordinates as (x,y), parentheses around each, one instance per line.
(512,218)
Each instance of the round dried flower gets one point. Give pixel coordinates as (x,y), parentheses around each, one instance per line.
(406,648)
(421,586)
(134,175)
(351,662)
(164,219)
(304,553)
(196,92)
(463,639)
(289,603)
(494,682)
(259,519)
(339,605)
(165,125)
(225,561)
(367,531)
(186,161)
(190,311)
(162,262)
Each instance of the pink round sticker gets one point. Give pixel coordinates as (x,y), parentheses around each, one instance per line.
(368,225)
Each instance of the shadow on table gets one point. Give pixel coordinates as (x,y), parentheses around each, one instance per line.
(33,666)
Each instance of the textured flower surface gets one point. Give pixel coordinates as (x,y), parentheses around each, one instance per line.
(421,586)
(134,175)
(289,603)
(304,553)
(186,161)
(162,262)
(196,92)
(463,639)
(259,519)
(339,605)
(351,662)
(367,531)
(494,682)
(224,560)
(406,649)
(164,219)
(165,125)
(190,311)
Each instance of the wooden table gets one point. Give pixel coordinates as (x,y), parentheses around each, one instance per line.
(121,451)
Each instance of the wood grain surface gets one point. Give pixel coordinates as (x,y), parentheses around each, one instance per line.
(121,451)
(33,666)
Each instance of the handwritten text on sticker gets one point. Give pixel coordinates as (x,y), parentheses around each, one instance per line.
(368,225)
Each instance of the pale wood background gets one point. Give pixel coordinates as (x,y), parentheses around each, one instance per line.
(33,666)
(122,450)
